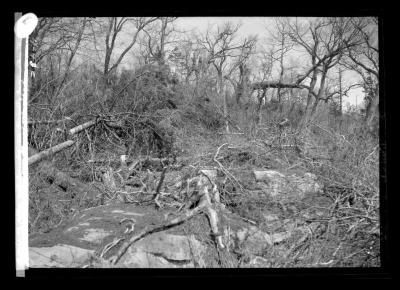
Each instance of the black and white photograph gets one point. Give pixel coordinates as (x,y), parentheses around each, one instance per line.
(197,142)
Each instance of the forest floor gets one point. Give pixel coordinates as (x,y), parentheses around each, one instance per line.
(297,229)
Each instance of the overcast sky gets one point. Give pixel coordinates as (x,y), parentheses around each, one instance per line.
(250,25)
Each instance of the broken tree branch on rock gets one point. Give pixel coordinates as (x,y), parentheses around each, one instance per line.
(146,231)
(206,204)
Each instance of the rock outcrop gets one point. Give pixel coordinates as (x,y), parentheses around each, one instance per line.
(95,234)
(277,184)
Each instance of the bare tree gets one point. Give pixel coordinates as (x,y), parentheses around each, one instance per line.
(340,91)
(336,89)
(157,37)
(57,41)
(325,41)
(267,61)
(364,60)
(330,37)
(114,26)
(280,39)
(221,48)
(186,57)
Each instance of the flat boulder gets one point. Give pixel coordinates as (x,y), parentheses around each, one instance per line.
(58,256)
(278,184)
(162,250)
(253,240)
(77,242)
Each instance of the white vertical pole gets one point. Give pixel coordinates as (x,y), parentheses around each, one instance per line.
(23,27)
(21,198)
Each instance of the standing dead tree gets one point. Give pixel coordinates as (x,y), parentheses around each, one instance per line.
(280,39)
(186,58)
(267,61)
(112,39)
(336,89)
(73,48)
(325,41)
(156,47)
(364,60)
(114,27)
(158,37)
(240,69)
(329,39)
(57,41)
(221,48)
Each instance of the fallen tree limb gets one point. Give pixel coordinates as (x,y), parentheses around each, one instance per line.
(206,200)
(205,205)
(297,83)
(32,122)
(37,157)
(146,231)
(277,84)
(159,186)
(134,160)
(81,127)
(59,147)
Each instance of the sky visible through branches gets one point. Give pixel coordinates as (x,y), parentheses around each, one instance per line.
(261,27)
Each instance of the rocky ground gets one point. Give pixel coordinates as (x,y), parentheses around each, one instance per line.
(225,206)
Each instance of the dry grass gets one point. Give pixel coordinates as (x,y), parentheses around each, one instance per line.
(340,152)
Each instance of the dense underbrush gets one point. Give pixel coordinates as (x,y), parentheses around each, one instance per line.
(346,160)
(149,117)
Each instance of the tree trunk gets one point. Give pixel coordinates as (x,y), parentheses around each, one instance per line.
(260,104)
(238,94)
(314,107)
(292,104)
(320,91)
(279,94)
(161,58)
(242,88)
(225,101)
(107,60)
(340,93)
(309,96)
(372,110)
